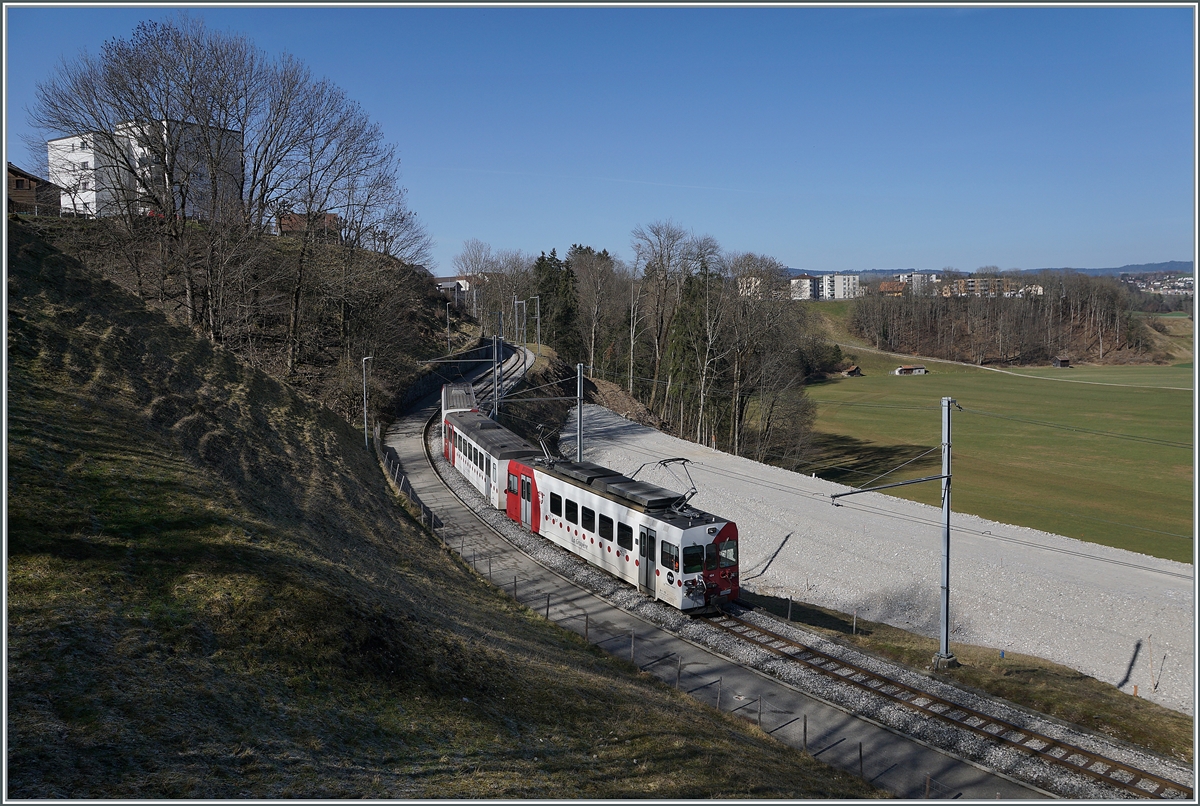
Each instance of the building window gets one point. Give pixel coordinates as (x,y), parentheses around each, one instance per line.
(85,185)
(20,184)
(83,166)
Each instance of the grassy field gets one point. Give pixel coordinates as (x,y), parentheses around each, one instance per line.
(1108,460)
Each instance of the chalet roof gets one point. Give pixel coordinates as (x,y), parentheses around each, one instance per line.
(21,172)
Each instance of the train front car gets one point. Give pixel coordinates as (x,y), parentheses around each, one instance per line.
(639,532)
(696,556)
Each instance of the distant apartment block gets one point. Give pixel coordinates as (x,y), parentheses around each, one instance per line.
(106,174)
(918,284)
(804,286)
(839,286)
(825,286)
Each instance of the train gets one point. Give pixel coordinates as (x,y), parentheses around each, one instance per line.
(645,535)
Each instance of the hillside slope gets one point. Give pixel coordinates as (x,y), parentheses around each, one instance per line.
(213,594)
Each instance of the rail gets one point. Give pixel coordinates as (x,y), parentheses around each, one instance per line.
(1061,754)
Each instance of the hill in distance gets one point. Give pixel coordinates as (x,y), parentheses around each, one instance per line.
(213,593)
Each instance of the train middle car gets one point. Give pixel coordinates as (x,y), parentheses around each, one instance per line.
(635,530)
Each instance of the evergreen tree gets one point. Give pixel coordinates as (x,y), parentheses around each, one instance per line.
(555,283)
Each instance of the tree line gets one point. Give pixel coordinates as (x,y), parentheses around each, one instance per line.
(708,339)
(1059,314)
(219,149)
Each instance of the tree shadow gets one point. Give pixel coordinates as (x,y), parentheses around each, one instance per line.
(802,613)
(853,461)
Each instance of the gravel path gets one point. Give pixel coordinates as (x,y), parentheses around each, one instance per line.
(1121,617)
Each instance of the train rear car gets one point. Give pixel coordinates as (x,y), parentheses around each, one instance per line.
(480,449)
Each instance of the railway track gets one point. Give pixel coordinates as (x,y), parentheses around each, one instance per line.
(1058,753)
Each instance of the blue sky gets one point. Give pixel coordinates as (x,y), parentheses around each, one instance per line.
(830,138)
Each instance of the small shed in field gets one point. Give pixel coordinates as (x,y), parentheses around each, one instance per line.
(911,369)
(853,372)
(1062,362)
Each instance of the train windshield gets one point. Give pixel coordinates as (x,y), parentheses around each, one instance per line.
(693,559)
(729,554)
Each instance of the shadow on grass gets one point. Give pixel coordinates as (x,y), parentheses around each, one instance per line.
(802,613)
(853,461)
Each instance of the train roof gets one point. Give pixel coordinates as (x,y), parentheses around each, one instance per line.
(489,435)
(458,397)
(639,495)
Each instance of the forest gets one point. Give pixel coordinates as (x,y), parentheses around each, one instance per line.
(1058,314)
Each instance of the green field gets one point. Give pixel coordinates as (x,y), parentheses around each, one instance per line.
(1107,461)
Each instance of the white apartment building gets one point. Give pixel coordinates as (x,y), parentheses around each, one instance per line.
(103,174)
(838,286)
(917,282)
(804,286)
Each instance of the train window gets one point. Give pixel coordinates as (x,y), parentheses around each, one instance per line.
(693,559)
(606,527)
(512,483)
(556,504)
(588,519)
(624,535)
(572,512)
(729,554)
(710,557)
(669,557)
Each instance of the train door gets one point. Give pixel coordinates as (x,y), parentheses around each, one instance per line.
(526,500)
(646,550)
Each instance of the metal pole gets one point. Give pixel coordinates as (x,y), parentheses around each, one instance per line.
(538,301)
(366,440)
(944,658)
(495,377)
(579,413)
(448,325)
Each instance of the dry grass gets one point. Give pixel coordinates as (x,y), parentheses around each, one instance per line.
(212,594)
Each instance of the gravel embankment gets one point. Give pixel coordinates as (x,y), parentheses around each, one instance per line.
(968,745)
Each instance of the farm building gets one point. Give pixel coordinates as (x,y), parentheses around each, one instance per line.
(853,372)
(911,369)
(1062,362)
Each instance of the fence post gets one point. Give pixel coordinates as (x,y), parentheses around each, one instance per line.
(678,669)
(926,787)
(860,763)
(760,714)
(547,607)
(586,626)
(515,588)
(632,633)
(718,694)
(789,609)
(806,733)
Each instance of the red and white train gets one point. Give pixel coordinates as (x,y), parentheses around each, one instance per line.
(639,532)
